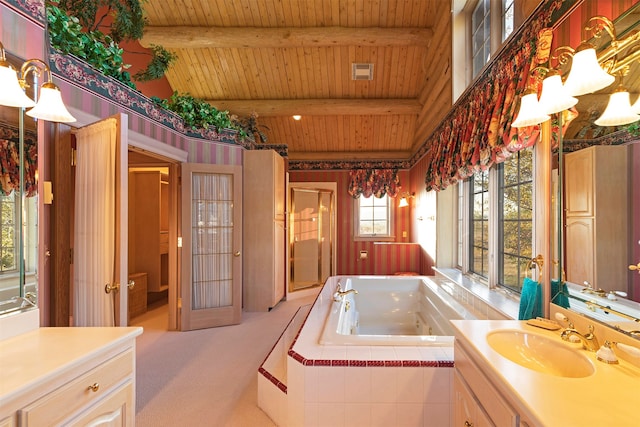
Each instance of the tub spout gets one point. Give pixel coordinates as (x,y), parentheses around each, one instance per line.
(339,293)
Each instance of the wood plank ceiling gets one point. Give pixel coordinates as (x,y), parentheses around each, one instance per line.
(285,57)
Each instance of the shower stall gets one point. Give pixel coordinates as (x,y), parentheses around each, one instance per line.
(311,235)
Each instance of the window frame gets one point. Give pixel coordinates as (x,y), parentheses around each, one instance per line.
(4,200)
(465,230)
(387,237)
(519,183)
(485,28)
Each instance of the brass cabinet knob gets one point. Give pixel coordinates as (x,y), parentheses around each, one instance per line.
(94,387)
(236,254)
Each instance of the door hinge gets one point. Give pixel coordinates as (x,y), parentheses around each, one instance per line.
(71,256)
(179,303)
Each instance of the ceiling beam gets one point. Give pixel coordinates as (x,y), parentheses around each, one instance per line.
(318,107)
(342,155)
(183,37)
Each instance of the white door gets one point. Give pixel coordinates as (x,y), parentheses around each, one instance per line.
(211,293)
(101,204)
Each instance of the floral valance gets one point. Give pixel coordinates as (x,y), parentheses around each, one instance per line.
(10,161)
(374,182)
(478,133)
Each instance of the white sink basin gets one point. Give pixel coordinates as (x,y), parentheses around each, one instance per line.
(540,353)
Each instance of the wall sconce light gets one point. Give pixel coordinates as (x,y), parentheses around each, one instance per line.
(296,117)
(586,75)
(618,111)
(403,199)
(49,107)
(530,112)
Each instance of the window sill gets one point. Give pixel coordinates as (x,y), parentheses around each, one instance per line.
(375,239)
(498,303)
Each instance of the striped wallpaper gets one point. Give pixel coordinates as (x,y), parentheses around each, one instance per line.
(199,150)
(383,258)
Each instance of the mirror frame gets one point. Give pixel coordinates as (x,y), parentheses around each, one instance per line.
(620,314)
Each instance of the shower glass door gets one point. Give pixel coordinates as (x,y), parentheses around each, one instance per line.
(310,237)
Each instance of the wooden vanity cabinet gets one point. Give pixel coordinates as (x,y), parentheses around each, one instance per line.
(69,376)
(467,410)
(476,401)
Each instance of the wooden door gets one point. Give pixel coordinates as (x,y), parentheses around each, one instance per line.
(211,293)
(114,286)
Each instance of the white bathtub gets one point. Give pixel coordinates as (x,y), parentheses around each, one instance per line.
(392,311)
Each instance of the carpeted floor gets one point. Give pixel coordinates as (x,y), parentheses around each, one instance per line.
(206,377)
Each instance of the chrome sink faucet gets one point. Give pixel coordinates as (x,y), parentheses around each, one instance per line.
(589,340)
(339,293)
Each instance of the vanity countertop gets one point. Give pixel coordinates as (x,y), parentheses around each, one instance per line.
(29,359)
(608,397)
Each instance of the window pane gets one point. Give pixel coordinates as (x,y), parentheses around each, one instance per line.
(515,218)
(366,213)
(380,213)
(380,227)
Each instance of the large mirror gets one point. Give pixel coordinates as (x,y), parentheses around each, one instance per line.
(18,207)
(598,233)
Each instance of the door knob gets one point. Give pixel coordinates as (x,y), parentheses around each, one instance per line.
(236,254)
(115,287)
(131,284)
(635,267)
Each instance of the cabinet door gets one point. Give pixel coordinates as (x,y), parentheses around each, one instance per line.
(579,185)
(8,422)
(115,410)
(467,411)
(579,250)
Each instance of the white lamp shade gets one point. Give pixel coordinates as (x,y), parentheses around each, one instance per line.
(586,74)
(554,97)
(636,106)
(530,113)
(11,94)
(618,111)
(403,202)
(50,106)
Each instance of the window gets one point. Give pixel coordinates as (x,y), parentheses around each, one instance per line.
(480,35)
(507,18)
(515,218)
(460,209)
(373,218)
(479,229)
(9,234)
(498,217)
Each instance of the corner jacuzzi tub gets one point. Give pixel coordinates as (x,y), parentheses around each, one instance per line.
(402,311)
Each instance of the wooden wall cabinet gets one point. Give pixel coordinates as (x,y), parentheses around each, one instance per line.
(596,216)
(90,381)
(149,227)
(263,272)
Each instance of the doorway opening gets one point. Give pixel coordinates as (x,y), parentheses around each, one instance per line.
(153,225)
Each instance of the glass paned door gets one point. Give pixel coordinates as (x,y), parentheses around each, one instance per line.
(212,244)
(211,262)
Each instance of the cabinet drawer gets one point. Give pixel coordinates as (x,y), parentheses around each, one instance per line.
(495,406)
(77,395)
(116,409)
